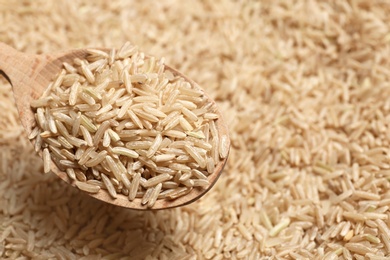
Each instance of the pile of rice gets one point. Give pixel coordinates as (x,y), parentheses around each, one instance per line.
(304,87)
(124,122)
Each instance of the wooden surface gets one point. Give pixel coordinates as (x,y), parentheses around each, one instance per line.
(29,76)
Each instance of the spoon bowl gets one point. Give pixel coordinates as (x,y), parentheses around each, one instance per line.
(30,75)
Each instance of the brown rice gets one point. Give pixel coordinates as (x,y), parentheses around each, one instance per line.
(304,88)
(86,138)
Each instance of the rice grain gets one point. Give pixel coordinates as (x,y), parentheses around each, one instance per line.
(109,186)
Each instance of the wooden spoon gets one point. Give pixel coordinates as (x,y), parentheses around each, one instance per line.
(30,75)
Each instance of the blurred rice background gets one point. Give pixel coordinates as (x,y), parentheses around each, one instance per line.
(304,86)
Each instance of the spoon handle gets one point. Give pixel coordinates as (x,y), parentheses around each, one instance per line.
(17,65)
